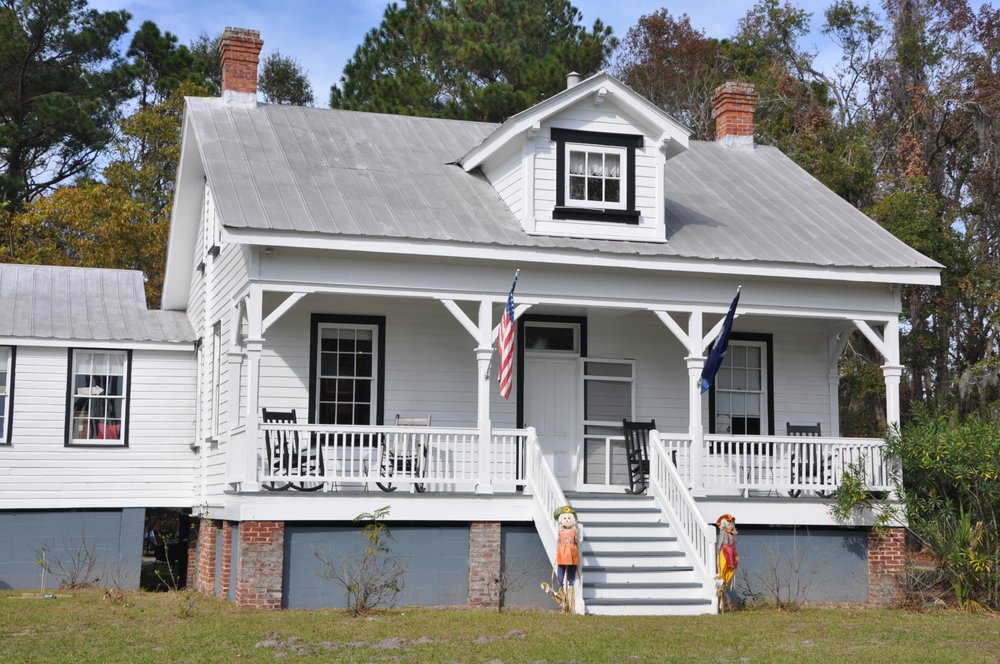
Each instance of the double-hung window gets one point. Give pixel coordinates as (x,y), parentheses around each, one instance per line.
(595,178)
(6,387)
(348,369)
(741,393)
(98,397)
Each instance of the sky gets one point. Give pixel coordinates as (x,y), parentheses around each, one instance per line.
(323,34)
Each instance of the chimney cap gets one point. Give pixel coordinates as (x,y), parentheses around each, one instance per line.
(573,78)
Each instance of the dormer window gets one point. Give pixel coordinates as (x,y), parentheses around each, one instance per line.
(596,176)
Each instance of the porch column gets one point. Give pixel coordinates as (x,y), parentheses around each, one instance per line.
(892,370)
(255,344)
(695,364)
(696,430)
(484,354)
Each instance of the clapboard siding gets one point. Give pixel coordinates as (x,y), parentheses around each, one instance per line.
(430,364)
(156,469)
(505,174)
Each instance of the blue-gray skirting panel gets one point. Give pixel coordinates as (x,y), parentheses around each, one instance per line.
(525,566)
(436,560)
(831,564)
(114,537)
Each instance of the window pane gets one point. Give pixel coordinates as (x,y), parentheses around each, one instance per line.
(753,379)
(595,163)
(346,342)
(327,389)
(329,342)
(364,366)
(101,364)
(607,401)
(753,406)
(345,390)
(327,413)
(612,191)
(362,414)
(595,189)
(117,364)
(328,364)
(540,337)
(577,162)
(115,386)
(753,357)
(83,363)
(364,341)
(723,402)
(363,390)
(723,424)
(612,167)
(739,379)
(738,355)
(608,369)
(577,187)
(724,379)
(739,404)
(345,364)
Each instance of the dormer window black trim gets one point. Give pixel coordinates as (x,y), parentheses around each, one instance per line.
(567,139)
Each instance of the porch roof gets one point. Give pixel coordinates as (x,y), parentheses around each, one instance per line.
(346,173)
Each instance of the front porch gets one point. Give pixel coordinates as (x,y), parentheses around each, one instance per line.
(350,459)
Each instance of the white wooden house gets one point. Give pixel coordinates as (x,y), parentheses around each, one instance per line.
(352,267)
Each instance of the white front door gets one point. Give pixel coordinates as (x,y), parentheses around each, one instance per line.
(552,406)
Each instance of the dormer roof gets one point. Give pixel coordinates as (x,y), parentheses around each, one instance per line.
(600,88)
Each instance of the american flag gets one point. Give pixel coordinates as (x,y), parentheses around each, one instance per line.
(507,342)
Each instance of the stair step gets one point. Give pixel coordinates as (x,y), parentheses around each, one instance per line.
(619,510)
(642,601)
(614,585)
(613,538)
(635,554)
(648,569)
(625,524)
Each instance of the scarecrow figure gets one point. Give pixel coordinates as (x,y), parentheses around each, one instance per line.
(729,559)
(567,558)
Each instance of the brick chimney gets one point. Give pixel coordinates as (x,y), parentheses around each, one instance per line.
(240,54)
(733,107)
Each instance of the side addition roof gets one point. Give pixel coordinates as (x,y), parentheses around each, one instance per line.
(86,304)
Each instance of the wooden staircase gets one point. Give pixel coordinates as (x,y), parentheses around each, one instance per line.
(631,561)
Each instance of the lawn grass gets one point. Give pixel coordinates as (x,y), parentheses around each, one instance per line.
(80,626)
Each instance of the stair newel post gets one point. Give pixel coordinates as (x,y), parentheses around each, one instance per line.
(695,363)
(484,355)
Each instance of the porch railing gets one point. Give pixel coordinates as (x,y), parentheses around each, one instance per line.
(435,458)
(792,463)
(546,498)
(674,499)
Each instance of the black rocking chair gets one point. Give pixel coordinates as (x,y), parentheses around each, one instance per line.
(285,453)
(637,454)
(802,468)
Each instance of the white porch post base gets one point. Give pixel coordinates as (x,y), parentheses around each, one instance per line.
(892,373)
(695,364)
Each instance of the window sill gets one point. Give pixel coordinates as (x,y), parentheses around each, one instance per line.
(589,214)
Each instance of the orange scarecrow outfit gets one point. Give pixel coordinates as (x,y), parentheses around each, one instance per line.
(729,559)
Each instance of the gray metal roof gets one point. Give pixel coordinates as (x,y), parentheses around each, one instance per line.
(374,175)
(88,304)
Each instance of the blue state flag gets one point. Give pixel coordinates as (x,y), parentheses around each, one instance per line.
(718,353)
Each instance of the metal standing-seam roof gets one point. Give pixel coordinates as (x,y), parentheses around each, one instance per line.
(359,174)
(90,304)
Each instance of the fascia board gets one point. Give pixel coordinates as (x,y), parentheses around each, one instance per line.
(124,344)
(518,124)
(916,275)
(180,241)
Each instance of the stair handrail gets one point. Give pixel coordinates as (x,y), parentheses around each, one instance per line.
(546,497)
(673,498)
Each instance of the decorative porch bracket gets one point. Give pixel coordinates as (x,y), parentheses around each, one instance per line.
(837,343)
(281,310)
(892,370)
(695,343)
(484,334)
